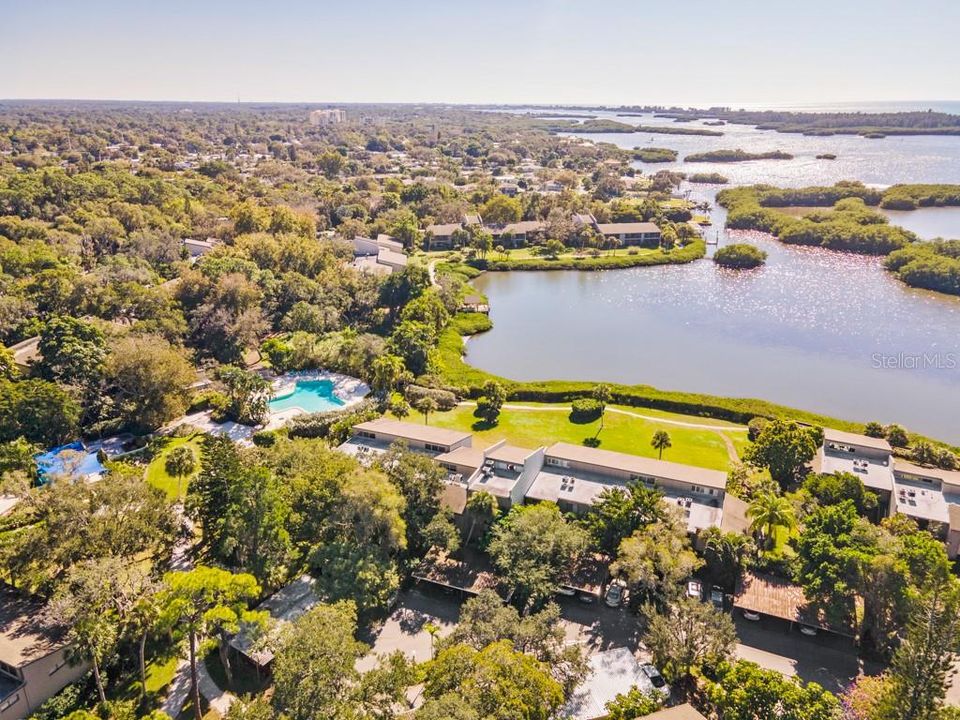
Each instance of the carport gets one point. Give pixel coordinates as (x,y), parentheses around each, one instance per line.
(779,598)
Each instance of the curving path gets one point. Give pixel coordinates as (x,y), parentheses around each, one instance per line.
(618,411)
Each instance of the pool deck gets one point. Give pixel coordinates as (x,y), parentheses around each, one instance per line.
(348,389)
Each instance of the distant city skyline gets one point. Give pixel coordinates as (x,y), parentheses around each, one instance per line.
(742,52)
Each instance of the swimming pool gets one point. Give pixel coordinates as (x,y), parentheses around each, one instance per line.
(311,396)
(71,461)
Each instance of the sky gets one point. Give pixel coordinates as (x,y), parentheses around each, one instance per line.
(685,52)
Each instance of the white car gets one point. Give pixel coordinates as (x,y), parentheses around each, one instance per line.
(751,616)
(807,630)
(614,594)
(660,685)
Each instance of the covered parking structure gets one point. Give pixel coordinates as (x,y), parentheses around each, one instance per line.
(778,598)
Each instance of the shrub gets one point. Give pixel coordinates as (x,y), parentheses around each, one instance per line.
(206,399)
(755,427)
(584,410)
(445,399)
(265,438)
(334,425)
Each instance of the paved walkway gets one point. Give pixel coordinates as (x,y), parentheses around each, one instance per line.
(178,692)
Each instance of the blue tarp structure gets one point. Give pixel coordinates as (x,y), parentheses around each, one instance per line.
(51,463)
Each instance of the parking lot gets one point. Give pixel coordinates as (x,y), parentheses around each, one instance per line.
(825,659)
(595,626)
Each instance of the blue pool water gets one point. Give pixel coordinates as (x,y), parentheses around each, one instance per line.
(311,396)
(52,463)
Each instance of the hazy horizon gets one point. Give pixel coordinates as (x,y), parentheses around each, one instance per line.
(613,52)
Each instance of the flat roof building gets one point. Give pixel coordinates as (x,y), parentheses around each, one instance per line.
(574,477)
(375,436)
(33,656)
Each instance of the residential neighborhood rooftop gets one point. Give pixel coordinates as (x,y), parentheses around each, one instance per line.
(782,599)
(627,228)
(948,477)
(611,672)
(638,465)
(284,606)
(414,431)
(848,438)
(25,633)
(920,500)
(876,475)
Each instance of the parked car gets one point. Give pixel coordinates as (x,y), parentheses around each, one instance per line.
(751,616)
(660,685)
(564,590)
(614,594)
(808,630)
(716,597)
(586,598)
(695,589)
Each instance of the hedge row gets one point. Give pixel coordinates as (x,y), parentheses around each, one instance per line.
(467,381)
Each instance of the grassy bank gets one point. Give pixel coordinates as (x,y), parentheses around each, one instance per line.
(545,424)
(454,372)
(621,260)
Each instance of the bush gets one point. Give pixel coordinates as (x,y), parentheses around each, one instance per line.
(755,427)
(265,438)
(334,425)
(584,410)
(207,399)
(445,399)
(739,256)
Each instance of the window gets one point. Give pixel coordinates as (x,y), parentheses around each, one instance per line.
(434,448)
(557,462)
(366,434)
(10,702)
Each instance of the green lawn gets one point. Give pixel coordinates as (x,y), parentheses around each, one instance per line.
(550,423)
(157,474)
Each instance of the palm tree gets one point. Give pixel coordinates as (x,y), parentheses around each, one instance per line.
(601,393)
(661,441)
(180,462)
(426,405)
(432,630)
(481,505)
(768,512)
